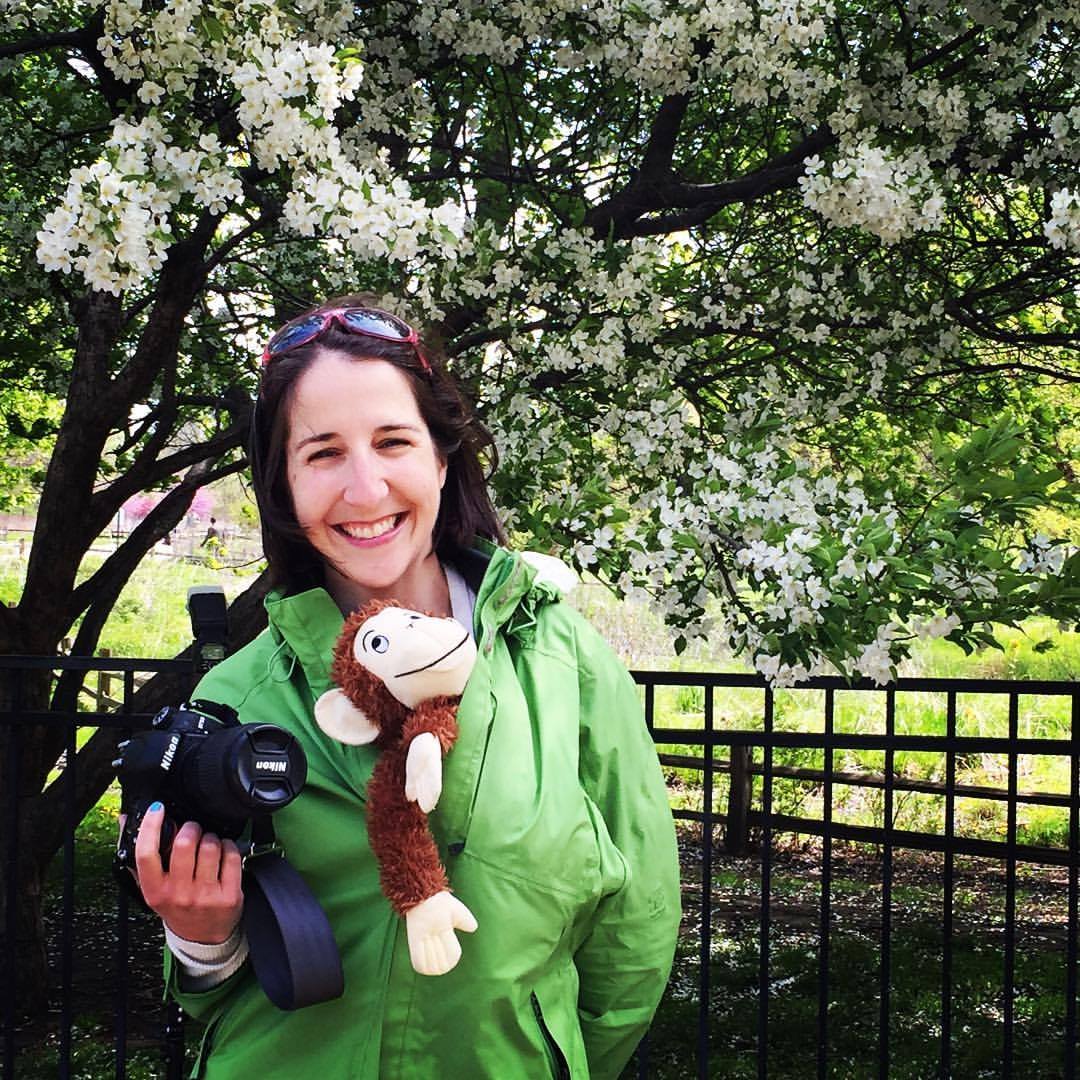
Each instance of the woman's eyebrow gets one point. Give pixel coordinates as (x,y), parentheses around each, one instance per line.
(382,429)
(326,436)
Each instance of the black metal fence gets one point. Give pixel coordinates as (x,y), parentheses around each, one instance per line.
(727,779)
(731,806)
(23,1039)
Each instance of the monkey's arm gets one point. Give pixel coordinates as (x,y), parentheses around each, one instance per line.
(428,733)
(438,717)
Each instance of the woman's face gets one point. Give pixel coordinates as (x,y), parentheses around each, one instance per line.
(366,481)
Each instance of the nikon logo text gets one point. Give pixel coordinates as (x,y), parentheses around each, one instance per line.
(170,752)
(271,766)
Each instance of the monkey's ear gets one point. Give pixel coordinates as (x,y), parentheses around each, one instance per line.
(342,720)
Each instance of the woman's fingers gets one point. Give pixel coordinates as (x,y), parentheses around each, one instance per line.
(199,896)
(208,860)
(148,868)
(184,851)
(232,869)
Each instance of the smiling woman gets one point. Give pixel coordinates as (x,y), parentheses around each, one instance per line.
(553,820)
(302,378)
(366,481)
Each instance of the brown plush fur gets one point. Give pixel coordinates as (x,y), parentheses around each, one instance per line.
(409,866)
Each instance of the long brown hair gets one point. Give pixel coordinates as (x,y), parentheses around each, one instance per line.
(465,509)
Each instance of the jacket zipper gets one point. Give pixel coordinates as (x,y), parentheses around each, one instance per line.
(559,1066)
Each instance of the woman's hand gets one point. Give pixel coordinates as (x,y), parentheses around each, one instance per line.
(199,897)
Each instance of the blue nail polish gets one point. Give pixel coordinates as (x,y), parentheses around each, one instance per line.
(155,807)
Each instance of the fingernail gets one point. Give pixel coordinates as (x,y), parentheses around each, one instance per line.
(155,806)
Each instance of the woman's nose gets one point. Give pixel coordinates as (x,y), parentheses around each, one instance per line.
(366,484)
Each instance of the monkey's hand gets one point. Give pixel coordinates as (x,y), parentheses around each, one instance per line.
(423,771)
(433,946)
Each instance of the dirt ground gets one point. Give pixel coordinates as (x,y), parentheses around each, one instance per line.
(979,888)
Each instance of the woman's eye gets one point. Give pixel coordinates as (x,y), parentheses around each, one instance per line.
(393,444)
(325,452)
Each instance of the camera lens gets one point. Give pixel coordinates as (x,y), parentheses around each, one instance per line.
(240,771)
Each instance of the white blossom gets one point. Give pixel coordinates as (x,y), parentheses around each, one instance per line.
(889,194)
(1063,227)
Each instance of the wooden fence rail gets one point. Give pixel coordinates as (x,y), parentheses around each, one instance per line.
(100,692)
(740,816)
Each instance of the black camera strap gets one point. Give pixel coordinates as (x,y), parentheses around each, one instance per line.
(292,948)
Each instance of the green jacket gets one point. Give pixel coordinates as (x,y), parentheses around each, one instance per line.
(555,830)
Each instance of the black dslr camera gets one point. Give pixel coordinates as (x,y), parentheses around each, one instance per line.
(205,766)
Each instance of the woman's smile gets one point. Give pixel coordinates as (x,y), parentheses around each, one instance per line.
(375,530)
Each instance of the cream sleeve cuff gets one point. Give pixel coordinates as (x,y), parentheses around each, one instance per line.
(203,966)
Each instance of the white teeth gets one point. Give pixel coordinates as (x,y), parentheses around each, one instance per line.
(369,532)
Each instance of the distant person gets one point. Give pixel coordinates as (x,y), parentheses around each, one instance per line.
(212,534)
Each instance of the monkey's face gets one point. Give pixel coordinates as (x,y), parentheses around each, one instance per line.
(416,656)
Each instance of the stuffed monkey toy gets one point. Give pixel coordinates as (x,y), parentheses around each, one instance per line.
(401,674)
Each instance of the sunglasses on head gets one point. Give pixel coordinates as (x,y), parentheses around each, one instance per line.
(367,322)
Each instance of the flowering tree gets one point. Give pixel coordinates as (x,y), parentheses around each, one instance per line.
(202,503)
(772,308)
(138,506)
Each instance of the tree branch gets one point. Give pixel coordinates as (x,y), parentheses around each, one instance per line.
(75,39)
(699,201)
(181,278)
(72,470)
(660,149)
(97,594)
(223,249)
(107,500)
(966,318)
(965,371)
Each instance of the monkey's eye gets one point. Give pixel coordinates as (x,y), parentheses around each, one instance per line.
(379,643)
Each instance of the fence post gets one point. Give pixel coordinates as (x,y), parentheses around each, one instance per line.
(739,795)
(104,685)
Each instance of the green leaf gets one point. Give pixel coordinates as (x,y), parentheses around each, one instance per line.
(211,27)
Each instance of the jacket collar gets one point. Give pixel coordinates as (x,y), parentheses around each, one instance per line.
(308,623)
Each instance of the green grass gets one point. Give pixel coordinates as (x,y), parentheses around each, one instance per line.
(1024,656)
(638,634)
(916,713)
(150,616)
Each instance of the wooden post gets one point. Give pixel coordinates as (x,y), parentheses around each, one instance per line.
(104,685)
(739,796)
